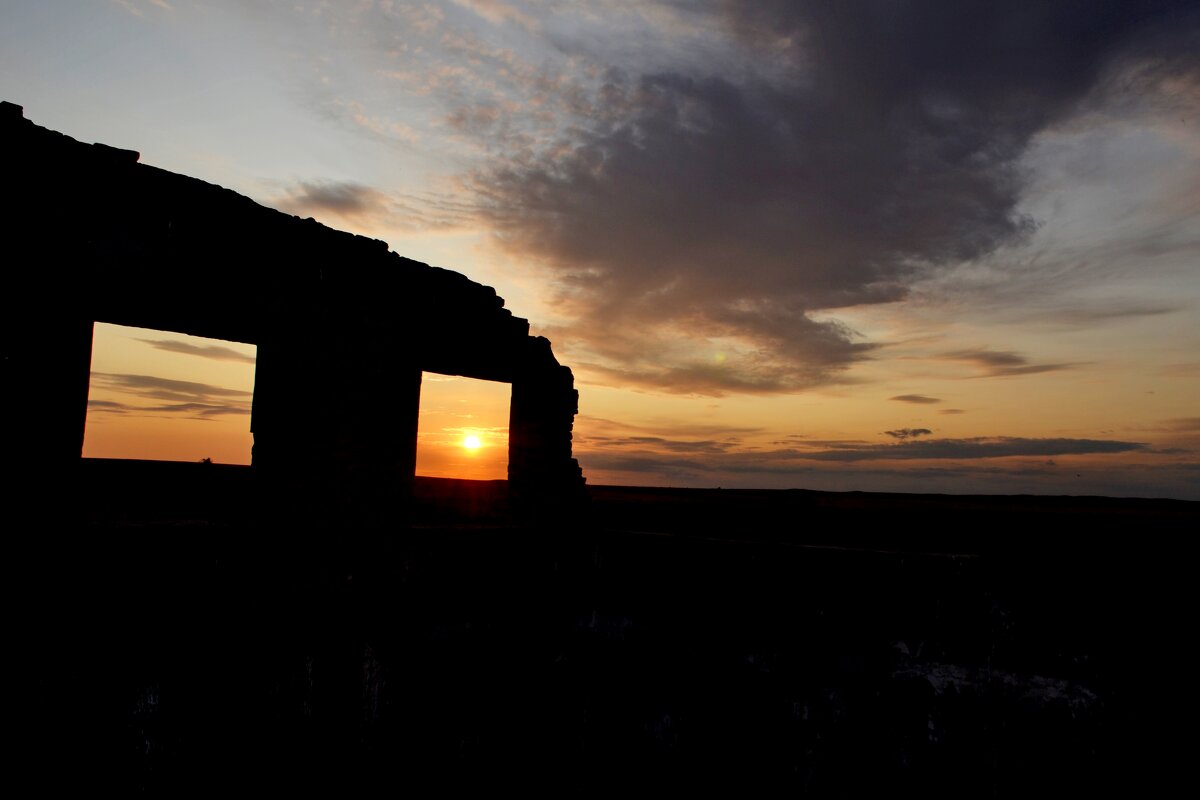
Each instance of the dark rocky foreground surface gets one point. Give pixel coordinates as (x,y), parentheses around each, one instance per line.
(165,638)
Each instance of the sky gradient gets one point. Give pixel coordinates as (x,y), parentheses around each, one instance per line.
(896,246)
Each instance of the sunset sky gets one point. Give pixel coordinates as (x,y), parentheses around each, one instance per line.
(883,246)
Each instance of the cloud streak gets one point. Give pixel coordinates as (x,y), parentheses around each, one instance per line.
(347,202)
(916,399)
(908,433)
(175,398)
(1001,363)
(216,352)
(974,448)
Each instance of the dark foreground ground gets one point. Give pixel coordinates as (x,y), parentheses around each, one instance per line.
(668,640)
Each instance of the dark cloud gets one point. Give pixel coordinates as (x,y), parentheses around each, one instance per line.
(794,440)
(343,198)
(196,409)
(731,455)
(345,202)
(150,385)
(477,120)
(204,351)
(670,445)
(914,398)
(974,448)
(666,427)
(952,411)
(908,433)
(174,397)
(856,148)
(794,460)
(108,406)
(1082,316)
(1000,363)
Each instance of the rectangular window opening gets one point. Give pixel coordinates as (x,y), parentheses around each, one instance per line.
(462,428)
(162,396)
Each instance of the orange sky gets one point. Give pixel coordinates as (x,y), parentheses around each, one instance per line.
(171,397)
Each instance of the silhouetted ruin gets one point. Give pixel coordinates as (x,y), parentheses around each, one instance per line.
(344,327)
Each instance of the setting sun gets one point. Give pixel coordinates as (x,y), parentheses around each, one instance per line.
(472,443)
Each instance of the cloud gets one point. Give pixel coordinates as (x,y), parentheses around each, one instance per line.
(659,443)
(196,409)
(175,398)
(1084,315)
(155,386)
(595,434)
(974,448)
(213,351)
(342,198)
(108,406)
(1184,424)
(1001,363)
(133,7)
(646,456)
(919,399)
(611,441)
(952,411)
(908,433)
(664,427)
(498,13)
(346,202)
(846,153)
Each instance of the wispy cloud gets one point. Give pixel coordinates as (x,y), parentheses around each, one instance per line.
(666,427)
(1095,313)
(138,8)
(908,433)
(730,451)
(344,199)
(109,406)
(903,466)
(917,399)
(1001,363)
(217,352)
(498,12)
(197,409)
(175,397)
(345,202)
(974,448)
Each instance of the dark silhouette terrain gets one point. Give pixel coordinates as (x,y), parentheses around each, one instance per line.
(836,644)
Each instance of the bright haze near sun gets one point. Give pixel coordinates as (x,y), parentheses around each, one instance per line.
(896,246)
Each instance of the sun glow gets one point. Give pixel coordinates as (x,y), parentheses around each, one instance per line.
(472,442)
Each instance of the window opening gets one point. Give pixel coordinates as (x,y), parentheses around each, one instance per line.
(462,428)
(164,396)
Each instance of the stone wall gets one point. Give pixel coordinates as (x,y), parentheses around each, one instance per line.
(93,235)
